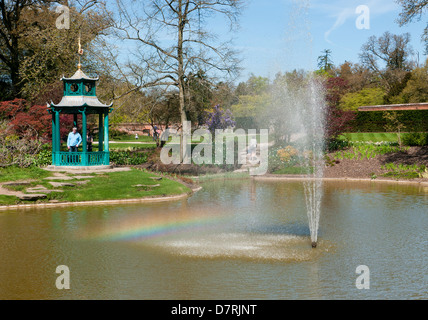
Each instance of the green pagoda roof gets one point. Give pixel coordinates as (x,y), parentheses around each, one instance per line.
(81,101)
(80,75)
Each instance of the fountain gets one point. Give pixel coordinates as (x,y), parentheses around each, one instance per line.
(314,126)
(298,111)
(301,120)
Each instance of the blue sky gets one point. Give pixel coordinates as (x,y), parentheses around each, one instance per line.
(282,35)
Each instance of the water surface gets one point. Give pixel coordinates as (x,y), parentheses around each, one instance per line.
(235,239)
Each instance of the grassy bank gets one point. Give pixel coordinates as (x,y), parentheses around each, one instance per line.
(14,174)
(371,136)
(134,184)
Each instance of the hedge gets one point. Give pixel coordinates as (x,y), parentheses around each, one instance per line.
(415,121)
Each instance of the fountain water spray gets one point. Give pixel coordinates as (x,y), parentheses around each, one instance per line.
(301,104)
(314,127)
(298,114)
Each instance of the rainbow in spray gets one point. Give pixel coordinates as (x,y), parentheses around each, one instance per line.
(148,226)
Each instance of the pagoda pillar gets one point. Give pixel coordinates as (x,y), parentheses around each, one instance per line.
(53,136)
(106,140)
(101,133)
(106,124)
(57,138)
(84,139)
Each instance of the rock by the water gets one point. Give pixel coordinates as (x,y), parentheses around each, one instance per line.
(83,177)
(62,184)
(146,186)
(81,183)
(16,184)
(44,190)
(32,197)
(65,178)
(156,178)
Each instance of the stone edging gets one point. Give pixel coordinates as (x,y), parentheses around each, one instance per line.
(295,178)
(95,203)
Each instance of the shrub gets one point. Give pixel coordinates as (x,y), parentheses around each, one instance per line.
(31,121)
(337,144)
(125,158)
(404,171)
(16,151)
(44,157)
(417,139)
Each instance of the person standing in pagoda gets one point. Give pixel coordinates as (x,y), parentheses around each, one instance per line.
(74,140)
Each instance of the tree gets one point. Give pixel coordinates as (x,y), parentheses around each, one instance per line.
(357,76)
(325,63)
(199,95)
(188,49)
(33,51)
(51,52)
(337,120)
(394,124)
(394,94)
(251,105)
(413,10)
(393,52)
(253,97)
(154,107)
(12,29)
(416,90)
(224,94)
(366,97)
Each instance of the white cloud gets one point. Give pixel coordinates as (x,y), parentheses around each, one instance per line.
(342,14)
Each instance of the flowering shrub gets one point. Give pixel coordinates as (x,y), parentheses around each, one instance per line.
(287,154)
(286,157)
(219,119)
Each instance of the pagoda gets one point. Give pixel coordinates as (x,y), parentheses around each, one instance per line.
(80,100)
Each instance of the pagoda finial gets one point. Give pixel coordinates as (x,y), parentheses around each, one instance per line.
(80,52)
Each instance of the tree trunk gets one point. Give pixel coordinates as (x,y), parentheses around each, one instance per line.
(181,83)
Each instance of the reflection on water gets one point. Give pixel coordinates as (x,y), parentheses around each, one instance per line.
(236,239)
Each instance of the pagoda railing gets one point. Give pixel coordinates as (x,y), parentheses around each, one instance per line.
(78,159)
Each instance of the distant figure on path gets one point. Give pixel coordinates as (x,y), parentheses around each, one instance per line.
(136,136)
(74,140)
(90,140)
(252,149)
(164,137)
(155,133)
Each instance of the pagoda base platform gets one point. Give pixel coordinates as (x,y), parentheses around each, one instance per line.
(78,168)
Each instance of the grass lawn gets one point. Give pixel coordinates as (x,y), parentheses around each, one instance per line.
(121,146)
(131,138)
(108,186)
(371,136)
(117,146)
(120,185)
(15,174)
